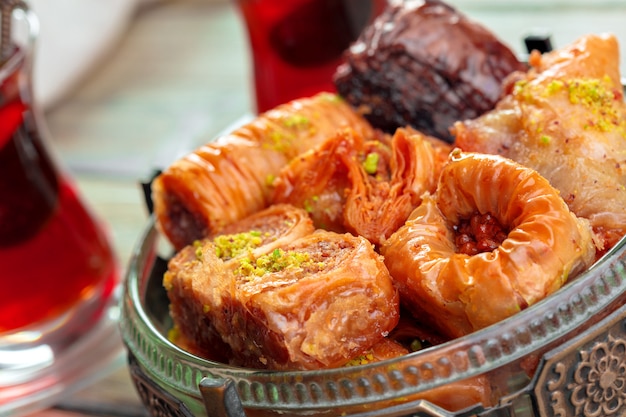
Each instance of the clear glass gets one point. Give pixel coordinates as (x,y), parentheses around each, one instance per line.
(507,353)
(59,275)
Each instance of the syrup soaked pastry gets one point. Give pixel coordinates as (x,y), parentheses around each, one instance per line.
(228,179)
(493,239)
(315,302)
(365,186)
(251,237)
(426,65)
(566,118)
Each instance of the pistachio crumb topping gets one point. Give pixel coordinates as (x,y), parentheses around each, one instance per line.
(597,95)
(230,246)
(545,139)
(296,121)
(275,261)
(589,92)
(555,86)
(278,140)
(519,88)
(370,165)
(198,249)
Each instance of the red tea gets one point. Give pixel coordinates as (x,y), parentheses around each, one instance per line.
(298,44)
(52,252)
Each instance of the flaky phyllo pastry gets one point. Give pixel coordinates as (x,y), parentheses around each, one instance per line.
(229,179)
(365,186)
(531,245)
(274,294)
(566,118)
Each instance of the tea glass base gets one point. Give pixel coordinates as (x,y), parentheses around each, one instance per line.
(37,370)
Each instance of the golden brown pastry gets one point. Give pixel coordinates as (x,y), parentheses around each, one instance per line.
(493,239)
(226,180)
(379,202)
(251,237)
(566,118)
(318,179)
(314,302)
(365,186)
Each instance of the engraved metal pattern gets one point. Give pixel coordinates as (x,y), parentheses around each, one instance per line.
(587,377)
(599,382)
(158,402)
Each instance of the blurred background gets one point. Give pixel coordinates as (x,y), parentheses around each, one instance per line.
(144,76)
(128,85)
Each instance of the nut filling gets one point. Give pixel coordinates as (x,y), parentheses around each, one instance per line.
(480,233)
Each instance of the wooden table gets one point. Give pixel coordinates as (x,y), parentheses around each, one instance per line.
(177,77)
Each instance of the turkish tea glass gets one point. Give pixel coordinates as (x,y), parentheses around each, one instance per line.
(296,45)
(58,272)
